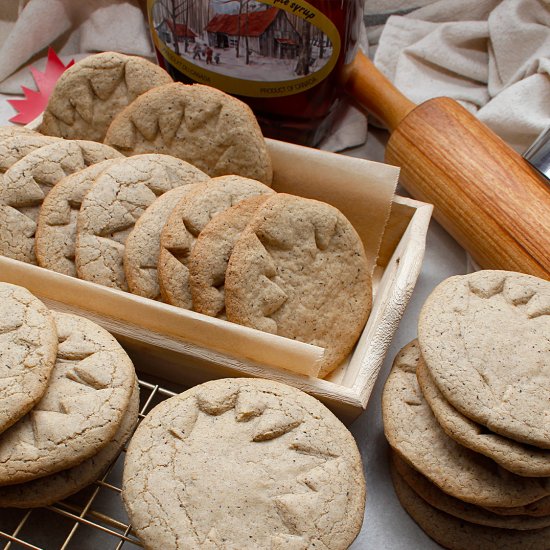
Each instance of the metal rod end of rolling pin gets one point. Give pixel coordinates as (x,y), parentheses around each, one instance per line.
(538,154)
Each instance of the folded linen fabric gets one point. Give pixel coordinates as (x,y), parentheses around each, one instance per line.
(493,56)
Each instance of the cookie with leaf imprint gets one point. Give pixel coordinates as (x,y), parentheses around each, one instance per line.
(81,410)
(55,236)
(28,181)
(279,470)
(485,340)
(52,488)
(522,459)
(206,127)
(89,94)
(211,252)
(415,435)
(110,209)
(187,220)
(28,347)
(18,142)
(299,270)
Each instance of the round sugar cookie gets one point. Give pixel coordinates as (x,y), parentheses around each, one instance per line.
(524,460)
(413,432)
(142,247)
(15,145)
(26,184)
(485,339)
(299,270)
(28,347)
(456,534)
(435,497)
(56,226)
(83,406)
(538,508)
(89,94)
(210,255)
(112,206)
(10,130)
(185,223)
(280,471)
(206,127)
(46,490)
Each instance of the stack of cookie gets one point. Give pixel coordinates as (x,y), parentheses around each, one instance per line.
(466,411)
(70,401)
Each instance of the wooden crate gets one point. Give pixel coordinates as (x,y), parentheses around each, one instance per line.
(188,348)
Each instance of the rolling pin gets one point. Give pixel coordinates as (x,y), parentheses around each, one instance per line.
(490,199)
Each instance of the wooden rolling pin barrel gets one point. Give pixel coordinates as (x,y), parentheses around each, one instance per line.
(490,199)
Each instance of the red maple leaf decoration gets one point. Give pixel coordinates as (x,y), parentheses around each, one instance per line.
(35,101)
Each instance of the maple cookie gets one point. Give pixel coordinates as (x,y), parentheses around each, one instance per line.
(538,508)
(89,94)
(196,123)
(187,220)
(484,338)
(435,497)
(414,434)
(142,247)
(299,270)
(28,347)
(210,255)
(56,226)
(25,185)
(457,534)
(46,490)
(111,208)
(81,410)
(524,460)
(15,145)
(280,471)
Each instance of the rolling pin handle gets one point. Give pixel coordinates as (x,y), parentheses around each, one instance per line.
(376,93)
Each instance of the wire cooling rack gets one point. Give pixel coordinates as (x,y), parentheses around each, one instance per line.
(93,518)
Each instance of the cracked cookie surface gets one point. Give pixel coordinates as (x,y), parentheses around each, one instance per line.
(485,338)
(84,403)
(142,247)
(15,145)
(415,435)
(206,127)
(279,469)
(56,227)
(89,94)
(299,270)
(49,489)
(184,225)
(111,208)
(26,184)
(28,347)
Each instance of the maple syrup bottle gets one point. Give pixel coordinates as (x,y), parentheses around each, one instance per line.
(283,57)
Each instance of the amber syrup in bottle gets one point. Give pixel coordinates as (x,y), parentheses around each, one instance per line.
(284,58)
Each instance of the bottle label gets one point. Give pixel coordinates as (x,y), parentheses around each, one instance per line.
(254,48)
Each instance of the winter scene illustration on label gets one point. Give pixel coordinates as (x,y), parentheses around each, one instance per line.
(268,48)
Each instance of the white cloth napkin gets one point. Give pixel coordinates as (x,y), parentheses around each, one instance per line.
(76,29)
(493,56)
